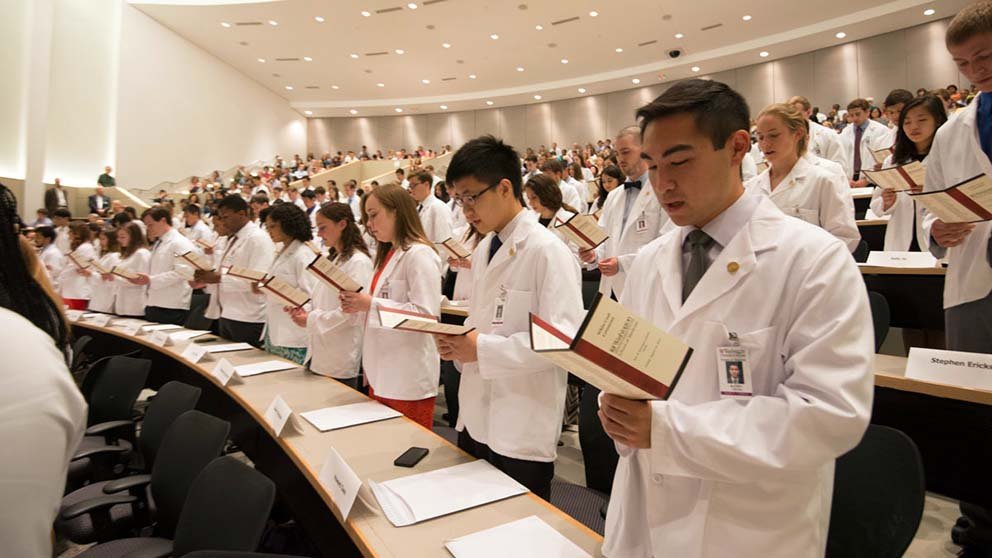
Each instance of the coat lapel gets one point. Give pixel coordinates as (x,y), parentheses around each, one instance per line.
(390,267)
(639,204)
(970,120)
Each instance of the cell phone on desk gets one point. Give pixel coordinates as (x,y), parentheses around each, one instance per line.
(204,339)
(411,457)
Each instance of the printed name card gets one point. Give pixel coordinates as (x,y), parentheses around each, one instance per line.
(195,353)
(133,328)
(73,315)
(967,370)
(278,415)
(901,259)
(100,319)
(159,338)
(224,372)
(340,481)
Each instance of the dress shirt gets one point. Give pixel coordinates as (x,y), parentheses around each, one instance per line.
(724,226)
(166,287)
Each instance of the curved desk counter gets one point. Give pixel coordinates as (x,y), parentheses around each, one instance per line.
(294,460)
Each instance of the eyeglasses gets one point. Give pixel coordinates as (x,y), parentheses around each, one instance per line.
(468,200)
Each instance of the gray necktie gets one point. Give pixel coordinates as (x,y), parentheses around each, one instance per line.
(698,245)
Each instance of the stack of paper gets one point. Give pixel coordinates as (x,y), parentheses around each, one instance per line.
(525,538)
(456,249)
(246,370)
(160,327)
(124,272)
(77,261)
(197,261)
(417,498)
(333,418)
(900,178)
(285,291)
(244,273)
(204,243)
(187,335)
(98,268)
(229,347)
(881,154)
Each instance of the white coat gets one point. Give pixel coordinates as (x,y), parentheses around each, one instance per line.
(560,217)
(511,398)
(290,265)
(130,299)
(646,222)
(876,136)
(956,155)
(815,196)
(826,143)
(570,194)
(898,231)
(102,292)
(826,164)
(333,337)
(436,219)
(748,478)
(402,364)
(749,167)
(74,284)
(53,260)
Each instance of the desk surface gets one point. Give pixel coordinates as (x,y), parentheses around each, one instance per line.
(890,372)
(879,270)
(872,222)
(369,449)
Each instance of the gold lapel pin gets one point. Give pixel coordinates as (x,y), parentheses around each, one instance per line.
(513,251)
(733,267)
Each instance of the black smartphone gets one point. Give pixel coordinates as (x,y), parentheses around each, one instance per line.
(410,457)
(204,339)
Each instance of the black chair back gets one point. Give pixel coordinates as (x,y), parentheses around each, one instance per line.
(115,388)
(227,508)
(878,497)
(880,316)
(861,252)
(234,554)
(172,400)
(79,356)
(193,441)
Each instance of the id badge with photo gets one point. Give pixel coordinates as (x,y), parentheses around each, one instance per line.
(642,224)
(384,291)
(500,308)
(733,371)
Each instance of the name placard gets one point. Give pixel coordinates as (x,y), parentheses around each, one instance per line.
(340,481)
(902,259)
(967,370)
(100,320)
(159,338)
(278,415)
(195,353)
(224,372)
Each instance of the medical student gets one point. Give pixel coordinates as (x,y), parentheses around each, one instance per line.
(631,216)
(195,228)
(863,136)
(169,292)
(73,281)
(333,337)
(610,179)
(749,473)
(102,292)
(401,367)
(917,125)
(511,399)
(893,106)
(435,217)
(544,197)
(569,194)
(798,188)
(962,148)
(823,142)
(289,228)
(49,254)
(130,299)
(574,176)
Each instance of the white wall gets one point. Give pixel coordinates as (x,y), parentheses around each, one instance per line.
(14,26)
(908,58)
(182,112)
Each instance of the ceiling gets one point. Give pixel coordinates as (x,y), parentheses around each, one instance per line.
(395,60)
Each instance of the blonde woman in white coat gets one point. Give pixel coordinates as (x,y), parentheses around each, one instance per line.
(799,188)
(333,337)
(129,299)
(918,125)
(102,291)
(288,226)
(74,282)
(401,368)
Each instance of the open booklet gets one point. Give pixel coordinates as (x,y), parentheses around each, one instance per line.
(285,291)
(583,230)
(900,178)
(244,273)
(77,261)
(124,272)
(406,320)
(326,271)
(881,154)
(204,243)
(98,268)
(615,350)
(966,202)
(197,261)
(456,249)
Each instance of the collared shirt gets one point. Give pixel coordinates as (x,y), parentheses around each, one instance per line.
(250,248)
(724,227)
(504,235)
(983,119)
(629,199)
(166,287)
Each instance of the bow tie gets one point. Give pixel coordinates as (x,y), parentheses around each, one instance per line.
(634,184)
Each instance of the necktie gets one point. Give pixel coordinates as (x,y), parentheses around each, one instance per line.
(494,247)
(857,150)
(636,184)
(420,207)
(698,244)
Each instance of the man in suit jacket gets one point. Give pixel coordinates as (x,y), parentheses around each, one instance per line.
(55,197)
(99,203)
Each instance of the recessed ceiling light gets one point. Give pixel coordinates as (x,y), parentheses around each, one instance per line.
(679,36)
(412,6)
(444,107)
(695,68)
(539,27)
(262,60)
(289,88)
(353,55)
(366,13)
(380,85)
(494,36)
(471,76)
(582,90)
(273,22)
(308,112)
(353,111)
(425,81)
(593,13)
(763,54)
(746,18)
(929,12)
(618,49)
(399,51)
(840,35)
(490,103)
(318,19)
(335,87)
(307,59)
(537,97)
(564,60)
(225,24)
(520,68)
(635,81)
(398,109)
(446,45)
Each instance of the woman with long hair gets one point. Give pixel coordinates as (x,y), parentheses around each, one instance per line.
(288,225)
(334,338)
(129,299)
(401,367)
(74,280)
(608,181)
(102,290)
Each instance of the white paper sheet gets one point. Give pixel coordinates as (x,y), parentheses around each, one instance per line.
(228,347)
(525,538)
(161,327)
(343,416)
(187,335)
(246,370)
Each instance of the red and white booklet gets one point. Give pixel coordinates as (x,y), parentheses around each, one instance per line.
(244,273)
(285,291)
(966,202)
(326,271)
(406,320)
(899,178)
(615,350)
(583,230)
(78,261)
(197,261)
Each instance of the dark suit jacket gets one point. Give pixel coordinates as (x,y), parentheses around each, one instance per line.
(106,204)
(52,200)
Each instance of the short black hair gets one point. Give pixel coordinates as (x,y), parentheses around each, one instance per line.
(121,219)
(319,190)
(258,198)
(159,214)
(292,220)
(192,209)
(897,96)
(233,203)
(309,194)
(488,160)
(719,111)
(62,213)
(47,232)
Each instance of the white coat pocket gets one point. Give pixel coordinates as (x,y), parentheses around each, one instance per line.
(811,216)
(397,290)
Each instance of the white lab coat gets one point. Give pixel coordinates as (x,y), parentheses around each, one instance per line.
(748,478)
(827,165)
(582,191)
(53,260)
(876,136)
(130,299)
(511,398)
(898,231)
(404,365)
(463,275)
(333,337)
(436,220)
(290,265)
(570,195)
(956,155)
(458,221)
(102,292)
(749,167)
(815,196)
(826,143)
(646,222)
(74,284)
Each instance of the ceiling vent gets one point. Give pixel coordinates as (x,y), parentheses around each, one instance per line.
(431,2)
(376,53)
(387,10)
(564,21)
(312,87)
(287,59)
(646,43)
(448,79)
(708,27)
(242,23)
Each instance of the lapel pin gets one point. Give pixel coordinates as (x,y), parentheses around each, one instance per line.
(733,267)
(513,251)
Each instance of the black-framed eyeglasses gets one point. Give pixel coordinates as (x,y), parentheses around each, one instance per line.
(468,200)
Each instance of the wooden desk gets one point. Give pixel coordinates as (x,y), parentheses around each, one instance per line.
(873,232)
(862,199)
(294,460)
(915,296)
(949,424)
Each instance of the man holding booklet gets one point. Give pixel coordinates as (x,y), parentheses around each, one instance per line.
(735,463)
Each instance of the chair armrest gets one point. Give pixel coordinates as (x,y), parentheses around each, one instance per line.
(126,483)
(94,504)
(156,548)
(89,452)
(108,428)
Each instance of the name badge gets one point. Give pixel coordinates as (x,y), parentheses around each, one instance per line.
(733,371)
(384,291)
(278,415)
(500,308)
(956,368)
(641,225)
(340,481)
